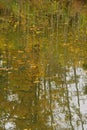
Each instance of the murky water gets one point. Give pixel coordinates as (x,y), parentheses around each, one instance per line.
(43,68)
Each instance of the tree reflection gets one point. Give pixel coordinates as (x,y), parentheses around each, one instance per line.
(42,52)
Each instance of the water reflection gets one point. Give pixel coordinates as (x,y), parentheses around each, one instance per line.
(73,111)
(43,84)
(29,101)
(10,126)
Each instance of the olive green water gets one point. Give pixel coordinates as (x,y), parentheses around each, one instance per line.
(43,67)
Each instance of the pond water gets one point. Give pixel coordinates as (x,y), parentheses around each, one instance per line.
(31,99)
(43,67)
